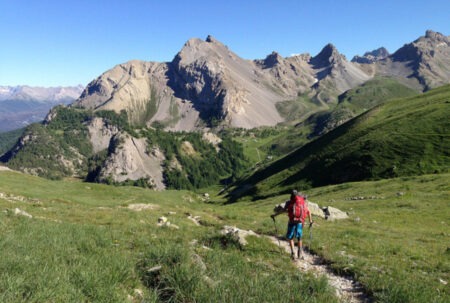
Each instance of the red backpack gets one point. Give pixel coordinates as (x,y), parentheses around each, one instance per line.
(296,210)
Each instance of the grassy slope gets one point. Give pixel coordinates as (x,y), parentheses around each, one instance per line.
(83,244)
(313,119)
(266,143)
(374,92)
(358,100)
(398,138)
(395,244)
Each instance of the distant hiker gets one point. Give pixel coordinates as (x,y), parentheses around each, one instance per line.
(297,210)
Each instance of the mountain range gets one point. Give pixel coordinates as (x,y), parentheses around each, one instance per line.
(22,105)
(207,84)
(170,124)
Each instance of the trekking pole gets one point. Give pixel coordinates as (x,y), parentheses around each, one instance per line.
(276,232)
(310,236)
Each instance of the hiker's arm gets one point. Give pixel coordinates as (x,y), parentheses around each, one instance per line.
(280,209)
(310,219)
(277,213)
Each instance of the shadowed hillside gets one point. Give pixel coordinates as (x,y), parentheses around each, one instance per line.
(399,138)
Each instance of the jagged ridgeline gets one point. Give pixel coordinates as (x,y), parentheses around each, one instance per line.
(101,146)
(402,137)
(208,85)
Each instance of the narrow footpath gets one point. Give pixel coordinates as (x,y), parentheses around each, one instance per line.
(347,289)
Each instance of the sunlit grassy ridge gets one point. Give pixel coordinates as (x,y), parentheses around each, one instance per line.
(84,244)
(374,92)
(399,138)
(358,100)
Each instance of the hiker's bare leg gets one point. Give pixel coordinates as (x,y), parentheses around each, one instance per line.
(291,243)
(300,248)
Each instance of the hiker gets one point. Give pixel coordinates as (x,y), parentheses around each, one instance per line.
(297,211)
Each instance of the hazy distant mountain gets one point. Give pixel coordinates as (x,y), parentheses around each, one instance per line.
(22,105)
(208,84)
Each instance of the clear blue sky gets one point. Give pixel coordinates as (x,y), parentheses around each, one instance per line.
(70,42)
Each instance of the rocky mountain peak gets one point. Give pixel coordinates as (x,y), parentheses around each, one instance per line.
(372,56)
(196,49)
(272,60)
(428,57)
(436,36)
(328,55)
(329,50)
(429,44)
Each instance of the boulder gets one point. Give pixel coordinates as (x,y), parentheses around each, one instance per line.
(327,213)
(19,212)
(238,234)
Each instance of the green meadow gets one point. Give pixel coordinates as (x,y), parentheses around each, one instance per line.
(84,243)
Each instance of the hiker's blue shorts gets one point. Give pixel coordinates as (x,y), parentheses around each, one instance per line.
(294,230)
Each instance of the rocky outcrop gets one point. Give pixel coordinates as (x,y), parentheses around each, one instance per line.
(326,212)
(237,234)
(100,134)
(133,159)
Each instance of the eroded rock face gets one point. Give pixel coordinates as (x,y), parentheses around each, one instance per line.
(140,88)
(132,159)
(100,134)
(222,85)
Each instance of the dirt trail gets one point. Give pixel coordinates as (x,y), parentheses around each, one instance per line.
(347,289)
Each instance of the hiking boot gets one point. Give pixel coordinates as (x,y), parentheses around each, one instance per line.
(299,254)
(292,256)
